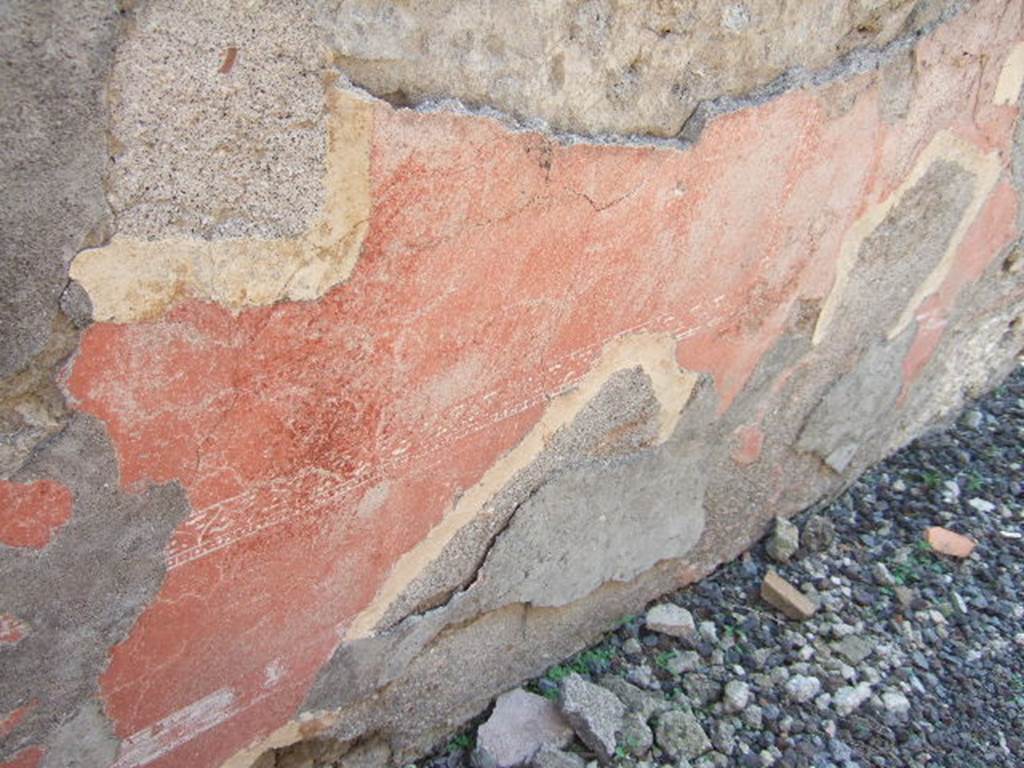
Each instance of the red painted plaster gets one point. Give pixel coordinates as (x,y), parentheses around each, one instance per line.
(12,719)
(749,441)
(496,266)
(31,513)
(30,757)
(12,629)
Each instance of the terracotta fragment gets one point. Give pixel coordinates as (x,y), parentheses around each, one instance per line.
(946,542)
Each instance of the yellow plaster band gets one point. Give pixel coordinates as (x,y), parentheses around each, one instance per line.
(1011,77)
(308,725)
(655,353)
(130,280)
(945,146)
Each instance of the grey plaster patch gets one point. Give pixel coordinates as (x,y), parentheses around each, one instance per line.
(57,56)
(897,257)
(855,402)
(83,592)
(86,740)
(620,418)
(600,67)
(898,82)
(982,341)
(215,144)
(32,407)
(593,524)
(661,487)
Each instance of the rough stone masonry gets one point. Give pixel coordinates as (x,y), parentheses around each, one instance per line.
(358,358)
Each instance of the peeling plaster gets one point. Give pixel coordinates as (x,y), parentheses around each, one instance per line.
(655,353)
(129,279)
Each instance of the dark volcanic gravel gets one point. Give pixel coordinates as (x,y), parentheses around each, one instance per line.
(941,681)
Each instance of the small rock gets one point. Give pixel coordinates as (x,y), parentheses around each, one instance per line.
(947,542)
(784,541)
(883,576)
(981,505)
(897,706)
(802,688)
(670,619)
(972,419)
(951,491)
(905,596)
(687,661)
(782,595)
(645,704)
(723,737)
(959,604)
(549,757)
(521,723)
(708,632)
(680,735)
(636,735)
(632,647)
(854,648)
(701,688)
(643,676)
(595,713)
(736,696)
(818,534)
(753,717)
(848,698)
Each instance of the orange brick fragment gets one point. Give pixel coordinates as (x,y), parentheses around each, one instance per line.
(945,542)
(782,595)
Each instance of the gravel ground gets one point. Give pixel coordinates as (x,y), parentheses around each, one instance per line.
(912,658)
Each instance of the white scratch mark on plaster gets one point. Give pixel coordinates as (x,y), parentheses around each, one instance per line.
(166,735)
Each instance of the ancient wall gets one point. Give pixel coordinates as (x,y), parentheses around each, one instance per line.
(360,356)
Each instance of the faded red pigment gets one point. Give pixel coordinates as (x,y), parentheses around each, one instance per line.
(31,513)
(496,267)
(30,757)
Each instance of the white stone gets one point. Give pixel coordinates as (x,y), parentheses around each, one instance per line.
(849,698)
(521,723)
(670,619)
(896,704)
(802,688)
(736,696)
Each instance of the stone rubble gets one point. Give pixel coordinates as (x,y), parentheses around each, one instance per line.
(784,541)
(672,620)
(595,713)
(521,724)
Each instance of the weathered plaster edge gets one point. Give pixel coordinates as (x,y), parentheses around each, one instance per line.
(655,353)
(985,168)
(128,280)
(856,62)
